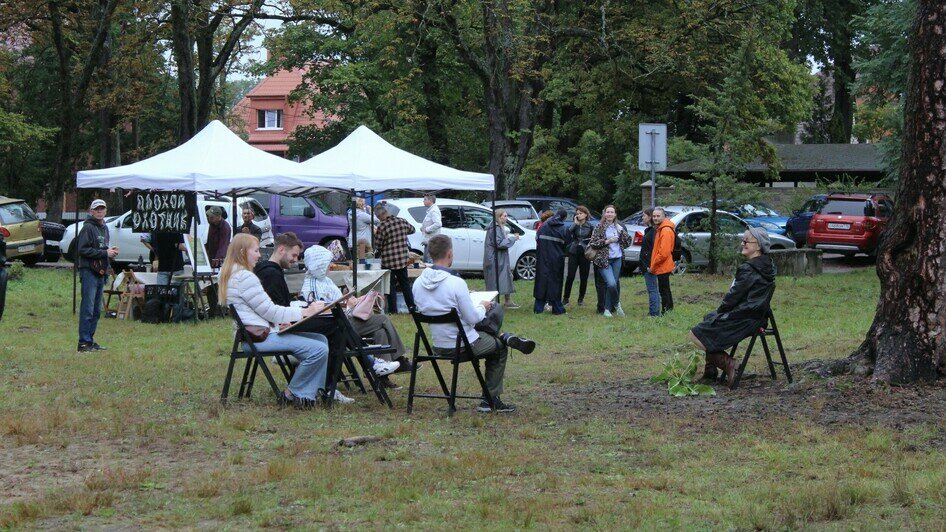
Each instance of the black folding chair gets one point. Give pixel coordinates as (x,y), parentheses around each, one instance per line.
(254,360)
(462,352)
(356,349)
(767,327)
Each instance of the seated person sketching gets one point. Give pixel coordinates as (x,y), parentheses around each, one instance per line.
(439,290)
(240,288)
(742,309)
(378,327)
(272,276)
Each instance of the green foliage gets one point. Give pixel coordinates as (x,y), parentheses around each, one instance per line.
(15,271)
(678,373)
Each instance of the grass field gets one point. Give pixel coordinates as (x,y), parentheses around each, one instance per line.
(136,437)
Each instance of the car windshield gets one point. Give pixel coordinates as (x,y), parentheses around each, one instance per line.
(16,213)
(845,207)
(519,212)
(759,209)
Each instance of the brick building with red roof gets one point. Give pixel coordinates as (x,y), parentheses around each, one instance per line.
(267,115)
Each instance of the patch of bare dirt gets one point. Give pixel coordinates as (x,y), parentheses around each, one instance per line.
(828,402)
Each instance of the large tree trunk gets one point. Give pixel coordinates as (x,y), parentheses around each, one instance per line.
(907,341)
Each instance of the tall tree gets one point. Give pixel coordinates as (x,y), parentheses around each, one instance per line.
(907,340)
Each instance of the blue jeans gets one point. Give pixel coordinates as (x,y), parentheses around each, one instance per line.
(612,281)
(91,307)
(311,350)
(653,296)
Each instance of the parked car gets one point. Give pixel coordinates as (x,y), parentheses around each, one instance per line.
(19,226)
(131,249)
(755,214)
(552,203)
(311,219)
(797,226)
(692,228)
(519,210)
(52,234)
(850,223)
(465,223)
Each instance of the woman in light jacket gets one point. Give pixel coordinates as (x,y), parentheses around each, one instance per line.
(496,253)
(363,227)
(240,287)
(610,238)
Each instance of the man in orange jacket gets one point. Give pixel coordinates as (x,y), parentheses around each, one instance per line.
(661,260)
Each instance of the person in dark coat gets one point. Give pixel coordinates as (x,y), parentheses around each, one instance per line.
(579,235)
(647,248)
(742,309)
(550,264)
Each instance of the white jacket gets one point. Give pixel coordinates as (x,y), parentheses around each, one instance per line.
(432,222)
(253,305)
(438,292)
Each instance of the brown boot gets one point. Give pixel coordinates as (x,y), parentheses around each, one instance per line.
(730,366)
(709,369)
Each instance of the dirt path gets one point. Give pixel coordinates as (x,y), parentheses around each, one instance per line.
(834,402)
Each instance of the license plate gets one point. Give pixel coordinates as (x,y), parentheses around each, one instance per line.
(839,226)
(27,248)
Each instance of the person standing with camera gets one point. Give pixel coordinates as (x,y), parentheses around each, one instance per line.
(93,252)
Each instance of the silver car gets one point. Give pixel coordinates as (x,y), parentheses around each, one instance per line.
(692,228)
(519,210)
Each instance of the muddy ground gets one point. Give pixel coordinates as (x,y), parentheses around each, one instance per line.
(838,401)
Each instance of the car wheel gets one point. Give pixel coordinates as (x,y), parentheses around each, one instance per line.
(30,260)
(525,266)
(683,264)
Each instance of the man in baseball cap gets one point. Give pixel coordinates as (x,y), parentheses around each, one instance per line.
(94,253)
(218,236)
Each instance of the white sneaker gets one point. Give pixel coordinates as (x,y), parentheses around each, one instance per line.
(619,311)
(607,313)
(341,398)
(382,368)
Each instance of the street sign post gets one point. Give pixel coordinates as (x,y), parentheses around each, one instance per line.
(652,153)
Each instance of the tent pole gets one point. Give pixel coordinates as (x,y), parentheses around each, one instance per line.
(234,209)
(495,241)
(194,265)
(353,251)
(75,257)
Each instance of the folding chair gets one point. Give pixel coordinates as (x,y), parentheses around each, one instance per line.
(462,352)
(767,327)
(254,360)
(358,349)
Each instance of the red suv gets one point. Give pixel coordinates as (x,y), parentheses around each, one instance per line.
(850,223)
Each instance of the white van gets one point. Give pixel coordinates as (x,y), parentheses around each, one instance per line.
(130,248)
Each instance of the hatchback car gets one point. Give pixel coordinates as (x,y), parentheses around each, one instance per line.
(797,226)
(850,223)
(465,223)
(20,227)
(692,227)
(756,215)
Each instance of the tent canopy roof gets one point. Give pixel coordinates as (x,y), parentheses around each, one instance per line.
(370,163)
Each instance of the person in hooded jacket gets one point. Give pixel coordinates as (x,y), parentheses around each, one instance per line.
(318,287)
(742,308)
(94,253)
(439,290)
(550,264)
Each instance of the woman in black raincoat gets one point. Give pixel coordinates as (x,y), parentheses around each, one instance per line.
(550,264)
(742,309)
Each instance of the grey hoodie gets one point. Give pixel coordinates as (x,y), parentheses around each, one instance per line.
(438,291)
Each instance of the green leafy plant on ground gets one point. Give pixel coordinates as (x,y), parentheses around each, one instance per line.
(678,373)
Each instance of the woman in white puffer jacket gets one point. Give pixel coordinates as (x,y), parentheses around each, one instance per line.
(240,287)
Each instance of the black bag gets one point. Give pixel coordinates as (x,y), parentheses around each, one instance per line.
(677,247)
(155,311)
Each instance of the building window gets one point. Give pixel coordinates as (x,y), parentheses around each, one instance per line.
(269,119)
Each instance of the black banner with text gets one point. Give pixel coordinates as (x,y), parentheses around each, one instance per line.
(162,212)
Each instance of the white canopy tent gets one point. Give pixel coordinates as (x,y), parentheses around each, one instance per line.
(215,159)
(370,163)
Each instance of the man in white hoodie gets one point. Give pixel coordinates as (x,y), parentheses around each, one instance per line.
(431,225)
(439,290)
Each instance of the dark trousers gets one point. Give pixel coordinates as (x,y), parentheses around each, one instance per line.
(491,344)
(601,289)
(403,283)
(91,306)
(666,298)
(577,262)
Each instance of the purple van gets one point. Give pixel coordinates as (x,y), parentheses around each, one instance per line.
(311,219)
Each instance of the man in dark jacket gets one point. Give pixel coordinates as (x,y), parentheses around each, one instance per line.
(743,308)
(550,264)
(3,275)
(248,225)
(94,252)
(218,236)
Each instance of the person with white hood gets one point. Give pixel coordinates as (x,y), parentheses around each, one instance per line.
(439,290)
(318,287)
